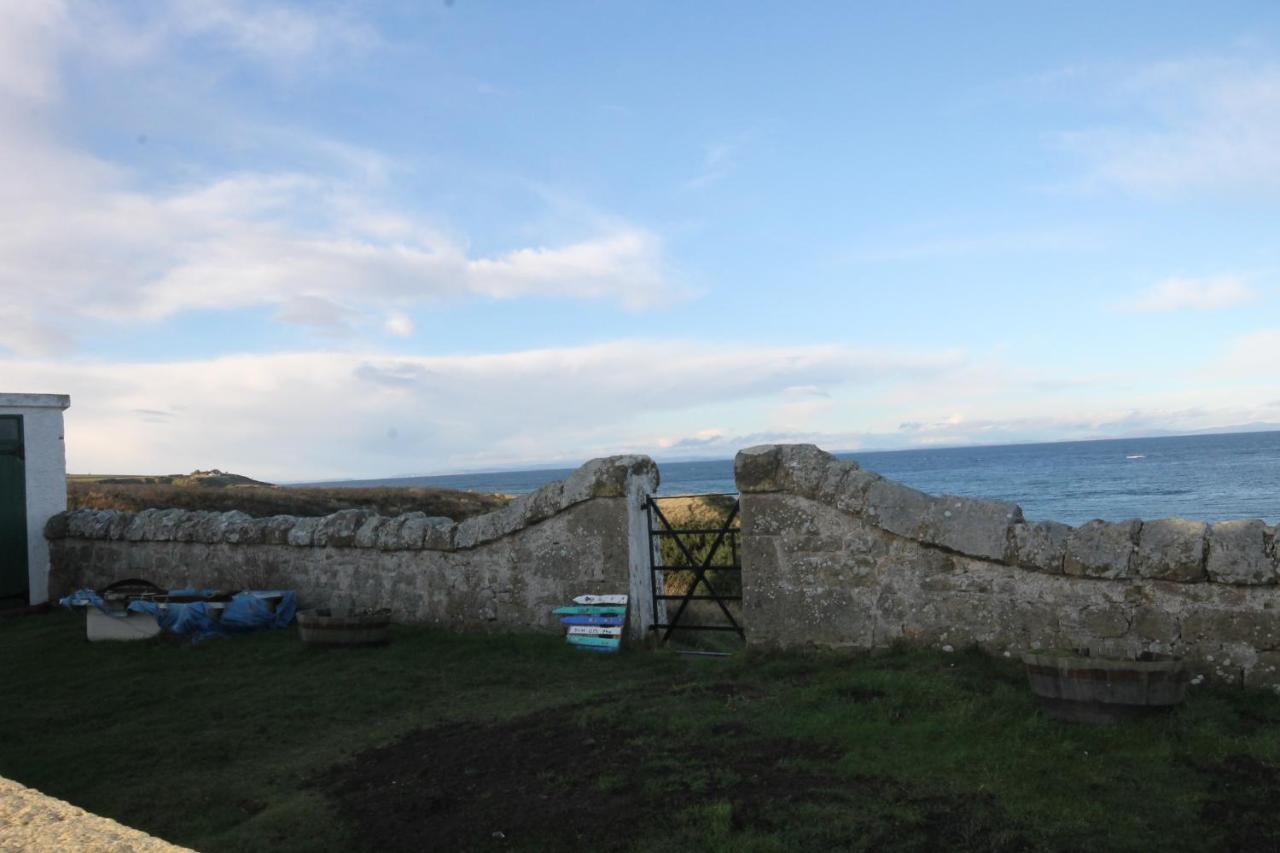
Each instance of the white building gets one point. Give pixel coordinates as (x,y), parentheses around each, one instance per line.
(33,487)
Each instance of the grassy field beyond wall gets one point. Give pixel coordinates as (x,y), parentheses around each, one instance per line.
(518,743)
(223,494)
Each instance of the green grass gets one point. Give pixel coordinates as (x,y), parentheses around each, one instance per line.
(222,746)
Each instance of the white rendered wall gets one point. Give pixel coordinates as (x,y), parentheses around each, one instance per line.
(46,475)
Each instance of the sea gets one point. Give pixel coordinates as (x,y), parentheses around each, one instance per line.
(1205,477)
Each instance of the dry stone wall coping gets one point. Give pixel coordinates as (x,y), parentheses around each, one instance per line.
(608,477)
(1172,549)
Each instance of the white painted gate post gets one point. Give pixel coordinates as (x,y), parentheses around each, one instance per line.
(640,620)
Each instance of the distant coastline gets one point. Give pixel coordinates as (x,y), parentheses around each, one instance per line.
(1207,476)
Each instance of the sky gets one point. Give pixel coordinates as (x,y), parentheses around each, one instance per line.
(326,240)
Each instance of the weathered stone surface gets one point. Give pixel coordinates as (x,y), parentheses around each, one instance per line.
(833,556)
(485,528)
(140,527)
(897,508)
(165,524)
(1238,553)
(607,478)
(511,583)
(368,533)
(1265,671)
(1171,549)
(303,532)
(188,528)
(389,533)
(56,526)
(804,467)
(1259,630)
(277,529)
(972,527)
(1041,546)
(1154,625)
(1098,549)
(439,533)
(756,469)
(244,531)
(339,530)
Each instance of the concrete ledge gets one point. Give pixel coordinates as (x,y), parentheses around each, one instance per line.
(30,820)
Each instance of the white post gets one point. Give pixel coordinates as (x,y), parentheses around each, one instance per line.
(640,610)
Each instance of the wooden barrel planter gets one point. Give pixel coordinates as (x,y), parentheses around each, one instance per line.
(1071,685)
(325,627)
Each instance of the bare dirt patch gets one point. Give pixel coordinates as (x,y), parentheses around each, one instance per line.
(544,780)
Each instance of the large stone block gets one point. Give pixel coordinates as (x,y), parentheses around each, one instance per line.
(188,529)
(609,478)
(438,533)
(277,529)
(389,534)
(485,528)
(897,508)
(972,527)
(140,526)
(1259,630)
(1155,625)
(339,529)
(245,531)
(1171,549)
(1099,549)
(80,524)
(758,469)
(367,533)
(303,532)
(165,525)
(804,468)
(1238,553)
(1041,546)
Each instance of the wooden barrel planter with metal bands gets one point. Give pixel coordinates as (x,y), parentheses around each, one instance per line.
(324,627)
(1079,688)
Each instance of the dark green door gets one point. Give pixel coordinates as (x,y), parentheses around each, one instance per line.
(13,509)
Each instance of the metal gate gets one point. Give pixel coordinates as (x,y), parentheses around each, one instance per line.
(704,554)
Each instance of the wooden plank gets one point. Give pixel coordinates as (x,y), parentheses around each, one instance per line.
(600,599)
(592,620)
(603,642)
(590,610)
(594,630)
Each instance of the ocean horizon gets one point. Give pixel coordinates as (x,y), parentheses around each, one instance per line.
(1205,477)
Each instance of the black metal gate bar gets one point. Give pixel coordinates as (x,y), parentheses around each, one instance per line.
(699,568)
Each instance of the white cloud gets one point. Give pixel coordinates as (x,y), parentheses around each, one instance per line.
(315,415)
(1197,294)
(1253,354)
(274,32)
(82,242)
(1203,124)
(399,324)
(293,416)
(29,41)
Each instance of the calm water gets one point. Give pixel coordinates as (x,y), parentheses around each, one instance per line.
(1208,477)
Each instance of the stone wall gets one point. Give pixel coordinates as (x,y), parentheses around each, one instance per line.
(505,570)
(840,557)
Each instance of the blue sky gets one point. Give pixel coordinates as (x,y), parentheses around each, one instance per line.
(324,240)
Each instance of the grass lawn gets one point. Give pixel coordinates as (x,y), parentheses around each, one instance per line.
(518,743)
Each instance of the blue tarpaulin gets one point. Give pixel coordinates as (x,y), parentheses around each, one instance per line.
(246,611)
